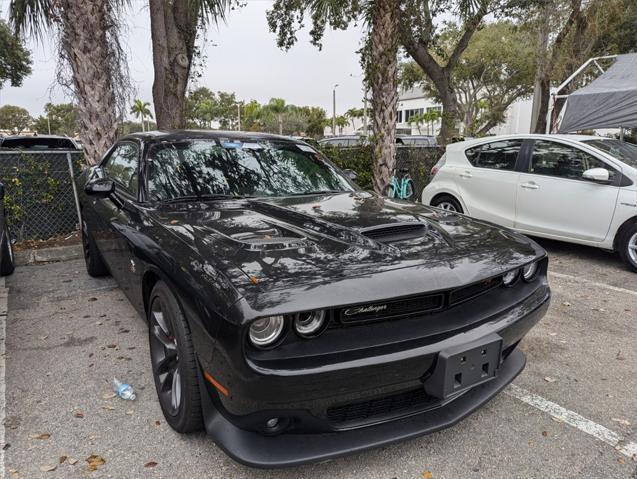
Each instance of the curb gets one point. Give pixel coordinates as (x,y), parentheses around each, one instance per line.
(48,255)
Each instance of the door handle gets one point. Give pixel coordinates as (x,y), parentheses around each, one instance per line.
(466,174)
(530,186)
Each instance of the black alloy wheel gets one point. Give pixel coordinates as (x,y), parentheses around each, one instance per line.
(173,361)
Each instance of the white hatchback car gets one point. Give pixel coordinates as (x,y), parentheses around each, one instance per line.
(581,189)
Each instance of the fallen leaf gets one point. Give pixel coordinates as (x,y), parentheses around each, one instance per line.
(621,421)
(157,423)
(619,356)
(566,303)
(545,433)
(108,408)
(150,464)
(111,346)
(43,435)
(108,395)
(72,461)
(621,461)
(556,419)
(48,467)
(130,412)
(94,461)
(43,338)
(92,299)
(63,459)
(78,414)
(427,475)
(549,379)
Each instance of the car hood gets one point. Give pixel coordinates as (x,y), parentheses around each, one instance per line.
(292,242)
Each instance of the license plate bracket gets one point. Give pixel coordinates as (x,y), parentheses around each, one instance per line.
(461,367)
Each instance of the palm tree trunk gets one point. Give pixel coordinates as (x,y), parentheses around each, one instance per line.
(143,128)
(173,29)
(382,74)
(86,25)
(280,124)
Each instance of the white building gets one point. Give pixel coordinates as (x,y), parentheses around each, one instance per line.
(415,102)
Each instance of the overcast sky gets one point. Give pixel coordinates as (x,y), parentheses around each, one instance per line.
(242,57)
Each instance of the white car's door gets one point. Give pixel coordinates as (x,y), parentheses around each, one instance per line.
(553,199)
(489,186)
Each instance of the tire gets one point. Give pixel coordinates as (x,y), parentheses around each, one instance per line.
(627,246)
(7,264)
(173,361)
(447,203)
(95,265)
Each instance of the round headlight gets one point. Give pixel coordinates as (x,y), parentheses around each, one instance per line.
(266,331)
(310,323)
(529,271)
(509,278)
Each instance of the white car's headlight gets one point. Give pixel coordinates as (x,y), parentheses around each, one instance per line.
(266,331)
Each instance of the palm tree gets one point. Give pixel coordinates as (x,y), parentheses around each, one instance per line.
(278,107)
(354,113)
(87,35)
(341,122)
(174,26)
(141,109)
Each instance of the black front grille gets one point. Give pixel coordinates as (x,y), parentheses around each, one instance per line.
(391,309)
(469,292)
(395,232)
(388,406)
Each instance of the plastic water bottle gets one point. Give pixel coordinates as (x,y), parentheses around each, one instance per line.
(123,390)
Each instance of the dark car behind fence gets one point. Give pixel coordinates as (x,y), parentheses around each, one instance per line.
(39,197)
(417,160)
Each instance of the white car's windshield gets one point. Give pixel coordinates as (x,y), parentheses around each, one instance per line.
(626,152)
(199,168)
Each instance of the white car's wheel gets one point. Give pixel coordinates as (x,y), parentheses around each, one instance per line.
(447,203)
(628,247)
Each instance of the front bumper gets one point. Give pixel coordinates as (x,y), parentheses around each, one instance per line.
(307,397)
(286,450)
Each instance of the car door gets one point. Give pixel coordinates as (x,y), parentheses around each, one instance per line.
(118,214)
(488,186)
(555,200)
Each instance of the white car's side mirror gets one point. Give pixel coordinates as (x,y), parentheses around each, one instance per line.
(600,175)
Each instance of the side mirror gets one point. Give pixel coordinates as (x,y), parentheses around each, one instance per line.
(598,175)
(99,187)
(351,174)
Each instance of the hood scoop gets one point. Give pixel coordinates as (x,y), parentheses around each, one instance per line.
(268,239)
(390,233)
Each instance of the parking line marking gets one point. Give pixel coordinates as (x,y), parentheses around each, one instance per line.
(593,283)
(573,419)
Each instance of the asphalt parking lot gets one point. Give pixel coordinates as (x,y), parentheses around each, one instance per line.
(571,414)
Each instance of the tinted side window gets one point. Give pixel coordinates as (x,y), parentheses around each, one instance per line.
(564,161)
(499,155)
(122,167)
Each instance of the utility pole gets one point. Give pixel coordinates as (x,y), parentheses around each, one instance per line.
(48,122)
(238,116)
(334,110)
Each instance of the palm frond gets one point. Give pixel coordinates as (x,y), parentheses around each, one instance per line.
(213,11)
(31,17)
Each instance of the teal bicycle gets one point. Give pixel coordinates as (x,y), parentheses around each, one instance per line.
(401,188)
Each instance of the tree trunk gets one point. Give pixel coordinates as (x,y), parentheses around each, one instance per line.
(544,98)
(86,25)
(173,30)
(382,74)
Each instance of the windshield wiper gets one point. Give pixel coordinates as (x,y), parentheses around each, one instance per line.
(187,198)
(316,192)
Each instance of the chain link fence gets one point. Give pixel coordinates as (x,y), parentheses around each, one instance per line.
(39,196)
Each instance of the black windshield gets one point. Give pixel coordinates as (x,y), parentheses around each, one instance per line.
(201,168)
(626,152)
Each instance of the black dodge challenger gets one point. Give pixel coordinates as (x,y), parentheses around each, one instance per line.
(294,316)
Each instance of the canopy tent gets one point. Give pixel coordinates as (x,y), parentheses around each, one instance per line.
(610,101)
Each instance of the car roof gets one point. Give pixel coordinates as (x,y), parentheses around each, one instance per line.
(180,135)
(461,145)
(27,137)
